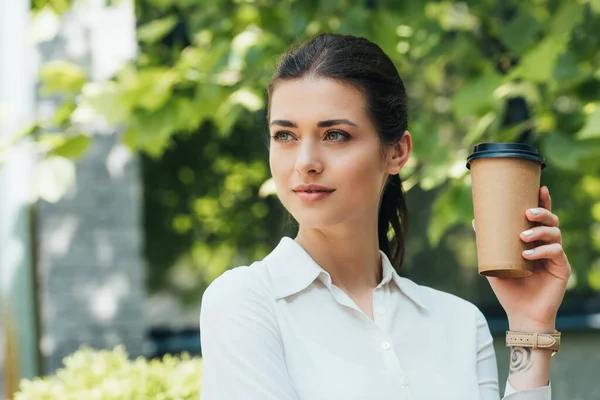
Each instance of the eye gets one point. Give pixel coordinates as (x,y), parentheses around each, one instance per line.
(282,136)
(336,136)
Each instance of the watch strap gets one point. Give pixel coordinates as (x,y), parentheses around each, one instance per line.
(549,341)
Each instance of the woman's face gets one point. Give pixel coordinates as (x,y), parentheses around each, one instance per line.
(321,135)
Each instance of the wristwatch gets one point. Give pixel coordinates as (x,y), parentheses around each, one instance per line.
(548,341)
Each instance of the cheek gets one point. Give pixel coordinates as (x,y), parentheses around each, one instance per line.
(280,166)
(364,174)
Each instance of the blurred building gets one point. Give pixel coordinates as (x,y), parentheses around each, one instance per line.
(89,244)
(86,248)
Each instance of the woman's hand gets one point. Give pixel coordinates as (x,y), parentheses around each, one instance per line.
(531,303)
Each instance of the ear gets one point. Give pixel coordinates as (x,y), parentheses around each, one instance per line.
(399,153)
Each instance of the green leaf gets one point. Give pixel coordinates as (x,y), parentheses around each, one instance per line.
(63,113)
(208,99)
(591,129)
(387,22)
(355,21)
(58,6)
(566,153)
(566,67)
(452,15)
(155,30)
(521,31)
(565,19)
(330,6)
(240,45)
(454,205)
(129,138)
(153,130)
(153,89)
(106,99)
(227,116)
(187,115)
(538,64)
(61,76)
(476,96)
(478,129)
(247,98)
(73,148)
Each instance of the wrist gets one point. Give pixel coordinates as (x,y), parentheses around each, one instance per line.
(525,325)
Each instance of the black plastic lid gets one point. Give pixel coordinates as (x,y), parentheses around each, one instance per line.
(505,150)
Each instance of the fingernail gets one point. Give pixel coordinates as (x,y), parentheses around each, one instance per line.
(473,225)
(528,232)
(534,211)
(529,252)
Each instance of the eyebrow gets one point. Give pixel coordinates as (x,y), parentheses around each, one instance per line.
(321,124)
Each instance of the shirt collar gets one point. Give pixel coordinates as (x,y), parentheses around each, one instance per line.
(410,289)
(293,270)
(291,267)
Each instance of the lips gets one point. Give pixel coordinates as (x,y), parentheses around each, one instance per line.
(312,193)
(312,189)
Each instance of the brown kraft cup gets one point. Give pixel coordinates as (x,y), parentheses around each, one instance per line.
(505,183)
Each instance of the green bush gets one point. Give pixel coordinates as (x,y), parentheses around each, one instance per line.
(110,375)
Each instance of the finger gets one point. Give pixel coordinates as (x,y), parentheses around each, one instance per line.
(542,216)
(544,198)
(552,252)
(546,234)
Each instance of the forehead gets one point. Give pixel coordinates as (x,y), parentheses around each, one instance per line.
(316,98)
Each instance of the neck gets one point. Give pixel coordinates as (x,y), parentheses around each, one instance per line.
(349,254)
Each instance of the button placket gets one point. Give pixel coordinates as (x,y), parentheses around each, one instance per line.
(378,306)
(390,358)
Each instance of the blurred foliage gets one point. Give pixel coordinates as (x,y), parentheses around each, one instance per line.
(193,102)
(110,375)
(57,6)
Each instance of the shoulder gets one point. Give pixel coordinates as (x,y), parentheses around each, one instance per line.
(243,282)
(240,289)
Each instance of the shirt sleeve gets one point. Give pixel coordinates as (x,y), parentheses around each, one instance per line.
(242,353)
(541,393)
(487,370)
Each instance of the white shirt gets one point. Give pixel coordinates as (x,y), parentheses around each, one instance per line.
(280,330)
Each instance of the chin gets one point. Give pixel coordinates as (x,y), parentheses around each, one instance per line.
(317,219)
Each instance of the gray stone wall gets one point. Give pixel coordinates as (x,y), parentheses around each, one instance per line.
(89,244)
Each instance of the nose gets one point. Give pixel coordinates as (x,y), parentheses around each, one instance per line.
(308,160)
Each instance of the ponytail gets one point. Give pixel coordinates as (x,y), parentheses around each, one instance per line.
(393,213)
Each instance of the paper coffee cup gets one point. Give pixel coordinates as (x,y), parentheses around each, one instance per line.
(505,182)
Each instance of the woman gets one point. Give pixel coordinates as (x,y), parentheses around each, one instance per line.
(326,315)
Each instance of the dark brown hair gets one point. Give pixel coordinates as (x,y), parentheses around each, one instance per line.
(361,63)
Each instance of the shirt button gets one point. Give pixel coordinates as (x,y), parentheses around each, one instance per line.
(386,345)
(404,381)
